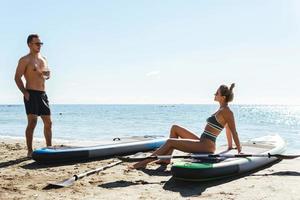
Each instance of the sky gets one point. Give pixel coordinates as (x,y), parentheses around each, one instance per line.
(156,52)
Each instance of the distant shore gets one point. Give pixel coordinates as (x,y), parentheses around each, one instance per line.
(24,179)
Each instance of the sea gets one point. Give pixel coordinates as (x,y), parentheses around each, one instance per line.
(97,123)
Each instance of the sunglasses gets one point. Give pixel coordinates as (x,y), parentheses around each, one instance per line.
(38,43)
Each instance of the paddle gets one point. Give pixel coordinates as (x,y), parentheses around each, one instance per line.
(70,181)
(207,156)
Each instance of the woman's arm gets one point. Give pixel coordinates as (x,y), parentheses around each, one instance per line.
(229,137)
(228,115)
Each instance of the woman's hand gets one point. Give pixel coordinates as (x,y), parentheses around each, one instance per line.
(229,148)
(239,149)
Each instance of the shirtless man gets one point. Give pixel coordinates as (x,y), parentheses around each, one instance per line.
(34,68)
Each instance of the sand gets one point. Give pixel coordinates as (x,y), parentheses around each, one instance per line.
(22,178)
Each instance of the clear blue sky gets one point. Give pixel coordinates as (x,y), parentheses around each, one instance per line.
(156,51)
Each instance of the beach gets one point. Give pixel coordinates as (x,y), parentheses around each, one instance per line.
(22,178)
(104,74)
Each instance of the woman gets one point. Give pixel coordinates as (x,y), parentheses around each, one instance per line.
(184,140)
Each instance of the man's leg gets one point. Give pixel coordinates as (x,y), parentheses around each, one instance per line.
(47,129)
(32,120)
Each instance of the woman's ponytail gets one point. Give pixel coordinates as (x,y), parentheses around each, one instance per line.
(231,86)
(228,93)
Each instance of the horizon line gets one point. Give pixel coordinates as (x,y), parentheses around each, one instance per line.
(255,104)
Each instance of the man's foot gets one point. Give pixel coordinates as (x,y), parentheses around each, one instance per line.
(29,154)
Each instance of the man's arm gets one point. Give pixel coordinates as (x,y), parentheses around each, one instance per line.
(47,72)
(18,76)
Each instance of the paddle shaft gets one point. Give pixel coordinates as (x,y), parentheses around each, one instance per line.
(279,156)
(79,176)
(208,156)
(70,181)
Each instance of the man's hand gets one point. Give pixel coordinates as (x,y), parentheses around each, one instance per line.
(26,95)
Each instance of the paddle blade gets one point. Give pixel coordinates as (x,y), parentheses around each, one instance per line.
(279,156)
(65,183)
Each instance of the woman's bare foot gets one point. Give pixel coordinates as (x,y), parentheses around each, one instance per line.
(163,162)
(141,165)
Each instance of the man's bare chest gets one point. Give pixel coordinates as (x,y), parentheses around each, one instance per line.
(36,66)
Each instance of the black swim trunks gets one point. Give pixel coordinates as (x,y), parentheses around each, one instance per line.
(37,104)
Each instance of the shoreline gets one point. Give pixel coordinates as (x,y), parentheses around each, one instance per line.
(137,104)
(24,179)
(85,142)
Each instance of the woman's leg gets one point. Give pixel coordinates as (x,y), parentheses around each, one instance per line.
(185,145)
(178,132)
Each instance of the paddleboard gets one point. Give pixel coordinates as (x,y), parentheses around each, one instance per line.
(119,146)
(213,169)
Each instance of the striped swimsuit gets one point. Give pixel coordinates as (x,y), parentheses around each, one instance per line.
(213,123)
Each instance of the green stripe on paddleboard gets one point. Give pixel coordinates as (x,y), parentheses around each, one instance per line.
(190,165)
(205,179)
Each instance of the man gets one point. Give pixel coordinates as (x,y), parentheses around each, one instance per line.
(34,68)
